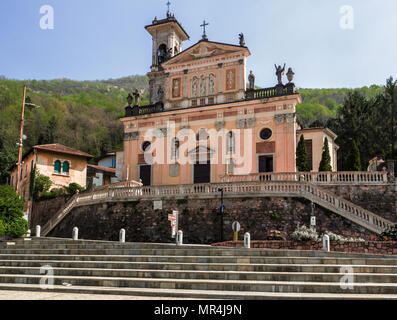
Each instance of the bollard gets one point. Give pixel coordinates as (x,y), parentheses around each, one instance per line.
(28,234)
(75,234)
(38,231)
(179,238)
(247,241)
(122,236)
(326,244)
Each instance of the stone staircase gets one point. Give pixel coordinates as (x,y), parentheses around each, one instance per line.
(193,271)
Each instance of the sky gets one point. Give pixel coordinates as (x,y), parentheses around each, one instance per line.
(327,45)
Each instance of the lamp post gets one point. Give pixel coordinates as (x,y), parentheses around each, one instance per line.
(222,211)
(20,143)
(313,217)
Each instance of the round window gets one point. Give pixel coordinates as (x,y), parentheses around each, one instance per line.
(266,134)
(146,146)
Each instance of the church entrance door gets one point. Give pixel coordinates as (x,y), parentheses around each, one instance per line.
(202,173)
(145,174)
(265,164)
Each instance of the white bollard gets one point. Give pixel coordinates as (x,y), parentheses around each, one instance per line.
(38,231)
(28,234)
(122,236)
(179,238)
(75,234)
(247,241)
(326,244)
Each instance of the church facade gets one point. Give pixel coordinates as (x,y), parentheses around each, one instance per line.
(203,122)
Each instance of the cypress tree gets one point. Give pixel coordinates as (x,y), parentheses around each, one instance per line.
(302,160)
(325,164)
(354,158)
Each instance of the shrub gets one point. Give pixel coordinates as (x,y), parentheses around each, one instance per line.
(305,234)
(2,228)
(41,185)
(73,188)
(46,196)
(275,216)
(336,237)
(11,204)
(17,227)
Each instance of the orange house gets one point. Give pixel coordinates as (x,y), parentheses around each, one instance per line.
(61,164)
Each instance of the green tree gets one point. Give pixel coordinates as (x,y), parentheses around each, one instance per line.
(42,184)
(11,212)
(353,158)
(73,188)
(302,160)
(325,164)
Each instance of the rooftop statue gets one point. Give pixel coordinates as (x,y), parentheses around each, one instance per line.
(251,80)
(280,73)
(242,40)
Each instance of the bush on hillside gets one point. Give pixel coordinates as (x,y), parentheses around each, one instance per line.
(73,188)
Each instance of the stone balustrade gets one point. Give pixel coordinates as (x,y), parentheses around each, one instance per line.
(366,178)
(127,191)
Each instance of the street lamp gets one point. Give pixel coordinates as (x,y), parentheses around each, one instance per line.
(21,135)
(222,211)
(313,217)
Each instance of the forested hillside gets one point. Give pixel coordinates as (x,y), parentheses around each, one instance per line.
(84,114)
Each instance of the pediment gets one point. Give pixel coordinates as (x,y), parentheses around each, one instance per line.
(203,50)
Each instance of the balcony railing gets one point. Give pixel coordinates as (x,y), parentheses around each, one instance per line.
(365,178)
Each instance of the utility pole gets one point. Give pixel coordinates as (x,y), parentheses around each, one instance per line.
(20,144)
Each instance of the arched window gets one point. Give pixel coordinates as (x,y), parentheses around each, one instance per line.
(202,135)
(57,167)
(162,54)
(175,149)
(146,146)
(65,168)
(230,143)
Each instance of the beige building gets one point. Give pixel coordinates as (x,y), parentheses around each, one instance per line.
(314,140)
(61,164)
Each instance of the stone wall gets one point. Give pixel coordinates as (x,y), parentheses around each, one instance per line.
(46,209)
(370,247)
(379,199)
(200,220)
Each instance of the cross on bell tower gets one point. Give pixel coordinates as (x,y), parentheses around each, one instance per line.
(204,33)
(168,10)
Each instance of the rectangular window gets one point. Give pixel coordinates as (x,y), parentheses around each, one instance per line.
(211,100)
(230,166)
(202,102)
(194,103)
(113,163)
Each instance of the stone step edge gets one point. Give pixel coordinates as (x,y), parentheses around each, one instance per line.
(264,273)
(201,281)
(190,257)
(196,294)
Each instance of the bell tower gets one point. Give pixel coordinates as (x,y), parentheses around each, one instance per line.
(167,38)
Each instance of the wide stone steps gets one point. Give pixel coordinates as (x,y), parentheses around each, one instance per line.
(198,294)
(194,271)
(199,284)
(205,260)
(199,266)
(203,275)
